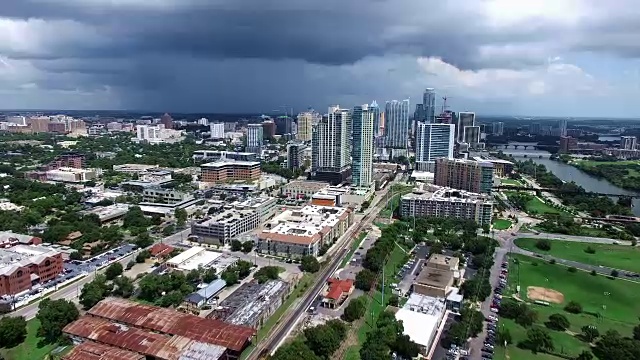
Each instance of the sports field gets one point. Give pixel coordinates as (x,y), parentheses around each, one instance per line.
(501,224)
(606,303)
(623,257)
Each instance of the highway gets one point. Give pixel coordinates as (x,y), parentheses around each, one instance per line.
(279,333)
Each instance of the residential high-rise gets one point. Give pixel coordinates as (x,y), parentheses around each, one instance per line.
(497,128)
(167,121)
(362,165)
(448,203)
(396,115)
(217,130)
(268,129)
(284,125)
(562,127)
(567,143)
(464,119)
(433,141)
(330,146)
(375,110)
(535,128)
(429,105)
(471,135)
(447,117)
(628,142)
(295,155)
(469,175)
(254,138)
(418,116)
(305,124)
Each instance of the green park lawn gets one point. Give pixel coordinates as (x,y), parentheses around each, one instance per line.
(622,257)
(29,349)
(510,182)
(618,296)
(537,206)
(501,224)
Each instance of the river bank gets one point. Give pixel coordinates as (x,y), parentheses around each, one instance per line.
(625,174)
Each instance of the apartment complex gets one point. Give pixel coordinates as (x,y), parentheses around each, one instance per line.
(23,266)
(254,139)
(227,170)
(156,134)
(305,124)
(330,146)
(295,155)
(433,141)
(628,142)
(446,202)
(468,175)
(296,233)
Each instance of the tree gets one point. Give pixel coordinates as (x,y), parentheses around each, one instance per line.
(94,291)
(394,300)
(504,337)
(113,271)
(374,350)
(143,240)
(230,277)
(247,246)
(365,280)
(236,245)
(527,317)
(558,322)
(538,340)
(209,275)
(76,255)
(355,310)
(325,339)
(168,230)
(309,263)
(590,250)
(405,347)
(181,217)
(13,331)
(243,268)
(54,315)
(134,218)
(590,333)
(142,256)
(543,244)
(585,355)
(266,273)
(295,350)
(613,346)
(636,332)
(573,307)
(123,287)
(615,273)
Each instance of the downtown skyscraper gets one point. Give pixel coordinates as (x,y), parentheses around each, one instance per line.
(433,141)
(330,146)
(396,117)
(254,139)
(363,133)
(429,105)
(464,119)
(305,124)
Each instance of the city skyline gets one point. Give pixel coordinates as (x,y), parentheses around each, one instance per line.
(149,56)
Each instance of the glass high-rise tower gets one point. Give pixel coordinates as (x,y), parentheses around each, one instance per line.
(363,132)
(396,117)
(433,141)
(429,105)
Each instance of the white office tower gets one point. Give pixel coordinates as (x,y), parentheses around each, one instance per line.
(17,120)
(217,130)
(464,119)
(433,141)
(363,131)
(472,135)
(429,105)
(497,128)
(254,138)
(562,127)
(203,121)
(375,110)
(396,117)
(305,124)
(148,132)
(628,142)
(330,150)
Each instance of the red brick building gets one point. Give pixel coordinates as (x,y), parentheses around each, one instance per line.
(25,266)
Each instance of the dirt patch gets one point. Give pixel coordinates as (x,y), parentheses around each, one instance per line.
(545,294)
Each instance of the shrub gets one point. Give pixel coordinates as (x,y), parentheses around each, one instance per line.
(558,322)
(590,250)
(543,244)
(615,273)
(573,307)
(593,273)
(552,261)
(572,269)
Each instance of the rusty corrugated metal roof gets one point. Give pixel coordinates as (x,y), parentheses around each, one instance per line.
(172,322)
(143,342)
(93,351)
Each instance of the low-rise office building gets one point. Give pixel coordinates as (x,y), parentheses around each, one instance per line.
(296,233)
(164,196)
(70,175)
(216,155)
(227,170)
(22,267)
(110,213)
(198,257)
(264,206)
(446,202)
(298,189)
(223,227)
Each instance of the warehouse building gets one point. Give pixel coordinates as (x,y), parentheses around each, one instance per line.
(197,257)
(204,296)
(252,303)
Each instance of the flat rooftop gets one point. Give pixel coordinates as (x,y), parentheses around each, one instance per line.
(448,194)
(302,226)
(227,162)
(443,260)
(228,216)
(249,302)
(110,211)
(434,277)
(311,185)
(420,318)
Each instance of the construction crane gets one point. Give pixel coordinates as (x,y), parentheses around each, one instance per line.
(444,104)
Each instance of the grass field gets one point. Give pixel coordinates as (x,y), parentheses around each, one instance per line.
(501,224)
(614,300)
(375,307)
(510,182)
(537,206)
(623,257)
(29,348)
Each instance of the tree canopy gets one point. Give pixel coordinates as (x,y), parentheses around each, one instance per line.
(54,315)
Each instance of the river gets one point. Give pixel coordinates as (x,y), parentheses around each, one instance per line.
(569,173)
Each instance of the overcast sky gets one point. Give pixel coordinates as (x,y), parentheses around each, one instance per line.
(512,57)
